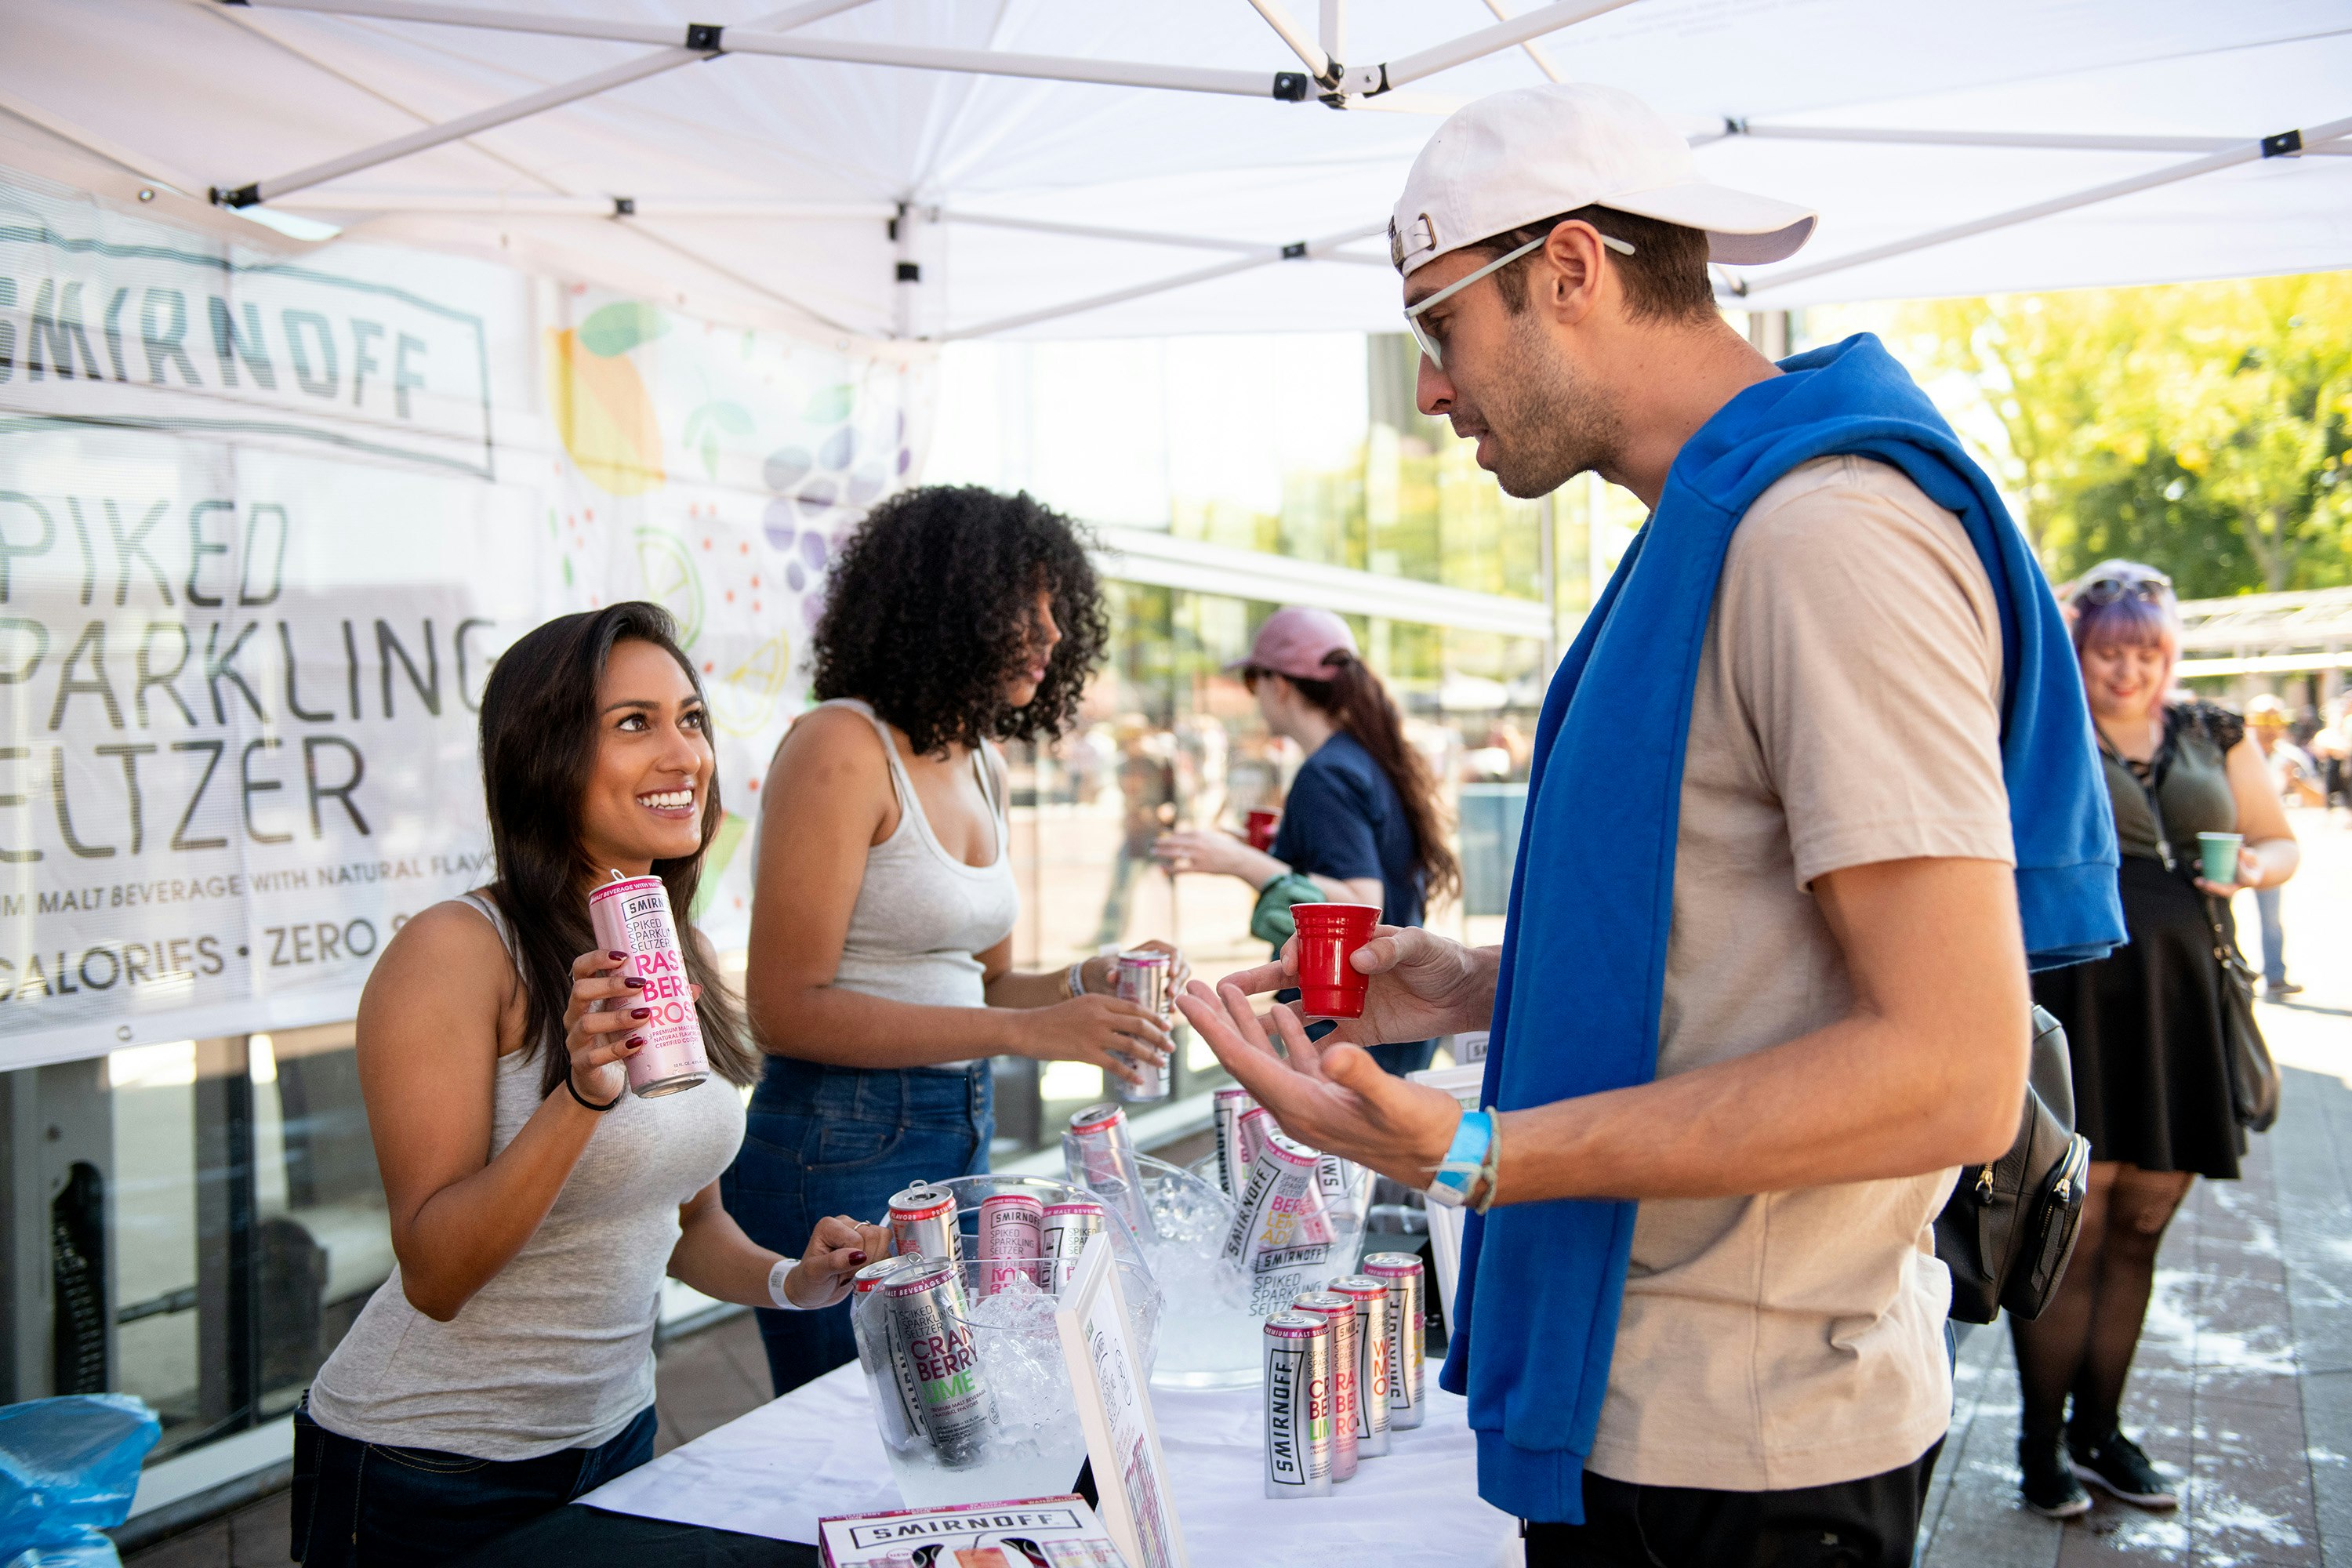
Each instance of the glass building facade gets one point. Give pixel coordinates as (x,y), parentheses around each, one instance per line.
(197,1223)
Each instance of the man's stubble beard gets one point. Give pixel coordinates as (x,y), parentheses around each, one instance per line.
(1550,424)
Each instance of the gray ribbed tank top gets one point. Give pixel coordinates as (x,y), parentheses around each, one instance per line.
(557,1351)
(922,916)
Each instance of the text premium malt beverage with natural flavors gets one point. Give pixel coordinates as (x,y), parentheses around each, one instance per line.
(632,915)
(1298,1415)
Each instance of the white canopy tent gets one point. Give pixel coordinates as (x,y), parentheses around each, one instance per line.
(940,169)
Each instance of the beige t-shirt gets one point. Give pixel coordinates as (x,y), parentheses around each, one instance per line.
(1846,711)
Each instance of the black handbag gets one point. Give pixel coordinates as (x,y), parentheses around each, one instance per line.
(2009,1227)
(2253,1076)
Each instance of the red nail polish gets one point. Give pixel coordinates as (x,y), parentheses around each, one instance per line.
(616,953)
(640,1012)
(634,982)
(857,1255)
(636,1040)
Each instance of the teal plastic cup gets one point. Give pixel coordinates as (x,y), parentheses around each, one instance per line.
(2219,853)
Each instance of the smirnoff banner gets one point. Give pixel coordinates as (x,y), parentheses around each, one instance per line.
(264,528)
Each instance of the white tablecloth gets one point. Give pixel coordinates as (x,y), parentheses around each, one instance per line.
(815,1454)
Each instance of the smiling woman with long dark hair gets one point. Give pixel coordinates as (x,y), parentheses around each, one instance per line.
(506,1367)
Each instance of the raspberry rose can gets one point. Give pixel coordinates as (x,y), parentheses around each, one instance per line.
(631,915)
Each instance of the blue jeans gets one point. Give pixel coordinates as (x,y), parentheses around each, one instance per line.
(836,1140)
(358,1504)
(2266,904)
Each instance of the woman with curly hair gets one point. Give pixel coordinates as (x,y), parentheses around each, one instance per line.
(880,976)
(2144,1030)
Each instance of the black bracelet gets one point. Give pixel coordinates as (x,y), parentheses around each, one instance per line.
(590,1104)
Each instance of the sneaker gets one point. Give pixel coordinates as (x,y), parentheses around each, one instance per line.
(2119,1465)
(2048,1483)
(2280,989)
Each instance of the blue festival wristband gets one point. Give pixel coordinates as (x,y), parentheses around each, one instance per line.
(1464,1159)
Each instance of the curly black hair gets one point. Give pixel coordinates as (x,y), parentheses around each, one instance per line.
(929,606)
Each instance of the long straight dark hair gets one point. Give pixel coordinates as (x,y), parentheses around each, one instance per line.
(1359,704)
(539,747)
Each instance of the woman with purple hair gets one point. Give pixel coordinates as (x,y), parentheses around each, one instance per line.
(2144,1025)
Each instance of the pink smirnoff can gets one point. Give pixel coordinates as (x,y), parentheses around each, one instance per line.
(1226,1108)
(631,915)
(1373,1368)
(1012,1239)
(1347,1391)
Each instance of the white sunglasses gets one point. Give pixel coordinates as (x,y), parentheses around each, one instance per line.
(1420,334)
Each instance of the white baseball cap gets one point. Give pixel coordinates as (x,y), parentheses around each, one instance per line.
(1516,158)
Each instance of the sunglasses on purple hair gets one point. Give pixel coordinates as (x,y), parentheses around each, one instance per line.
(2152,589)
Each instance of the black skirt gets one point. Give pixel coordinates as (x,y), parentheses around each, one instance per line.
(2143,1027)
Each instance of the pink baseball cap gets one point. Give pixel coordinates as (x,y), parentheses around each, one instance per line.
(1293,640)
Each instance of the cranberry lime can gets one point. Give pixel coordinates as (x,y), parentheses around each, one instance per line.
(1346,1394)
(632,915)
(1374,1345)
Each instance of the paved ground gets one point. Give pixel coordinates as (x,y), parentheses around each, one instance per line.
(2244,1382)
(2243,1386)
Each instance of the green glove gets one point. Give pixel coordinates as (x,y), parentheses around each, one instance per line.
(1271,922)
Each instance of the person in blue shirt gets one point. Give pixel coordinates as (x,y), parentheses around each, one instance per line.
(1361,823)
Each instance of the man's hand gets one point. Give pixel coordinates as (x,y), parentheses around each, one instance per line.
(1331,1095)
(1421,985)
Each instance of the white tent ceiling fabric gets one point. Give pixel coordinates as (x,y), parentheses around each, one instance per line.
(196,92)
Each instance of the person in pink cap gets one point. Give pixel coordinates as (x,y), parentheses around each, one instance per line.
(1361,823)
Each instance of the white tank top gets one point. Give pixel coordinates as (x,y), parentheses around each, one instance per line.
(557,1351)
(922,916)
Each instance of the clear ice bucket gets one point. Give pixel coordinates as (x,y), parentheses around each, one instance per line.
(969,1387)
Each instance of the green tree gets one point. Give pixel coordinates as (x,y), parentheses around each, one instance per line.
(2200,428)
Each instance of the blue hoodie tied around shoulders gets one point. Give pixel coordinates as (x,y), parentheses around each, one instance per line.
(1541,1283)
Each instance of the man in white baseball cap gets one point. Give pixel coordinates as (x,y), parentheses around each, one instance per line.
(1813,788)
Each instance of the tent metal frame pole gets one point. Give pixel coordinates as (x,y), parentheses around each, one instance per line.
(1532,50)
(2061,142)
(708,38)
(2287,143)
(1318,62)
(535,204)
(90,142)
(1486,41)
(523,108)
(1131,236)
(1331,26)
(1312,249)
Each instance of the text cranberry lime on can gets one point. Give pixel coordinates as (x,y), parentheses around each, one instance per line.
(1340,1313)
(632,915)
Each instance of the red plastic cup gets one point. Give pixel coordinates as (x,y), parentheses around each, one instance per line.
(1329,986)
(1261,828)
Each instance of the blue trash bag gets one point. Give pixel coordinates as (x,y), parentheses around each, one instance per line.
(68,1469)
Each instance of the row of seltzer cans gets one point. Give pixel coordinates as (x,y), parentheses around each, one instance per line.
(1343,1366)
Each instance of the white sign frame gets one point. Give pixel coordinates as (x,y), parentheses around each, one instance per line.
(1114,1398)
